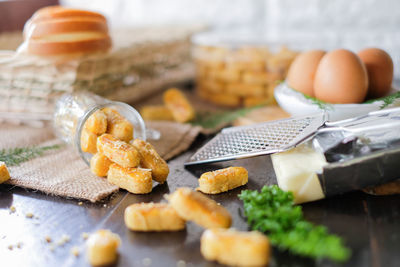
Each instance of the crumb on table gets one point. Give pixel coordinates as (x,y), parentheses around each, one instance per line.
(146,262)
(85,235)
(75,251)
(64,239)
(48,239)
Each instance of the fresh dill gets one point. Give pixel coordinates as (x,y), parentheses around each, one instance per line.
(387,100)
(273,212)
(321,104)
(210,120)
(16,156)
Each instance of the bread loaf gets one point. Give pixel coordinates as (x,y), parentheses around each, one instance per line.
(57,31)
(147,217)
(235,248)
(134,180)
(196,207)
(150,159)
(118,151)
(223,180)
(102,248)
(4,174)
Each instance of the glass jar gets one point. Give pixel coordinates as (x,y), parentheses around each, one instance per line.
(73,109)
(235,69)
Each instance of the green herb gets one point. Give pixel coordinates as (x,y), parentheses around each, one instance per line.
(321,104)
(212,120)
(273,212)
(15,156)
(387,100)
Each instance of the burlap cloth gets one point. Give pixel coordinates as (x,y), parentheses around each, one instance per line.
(63,173)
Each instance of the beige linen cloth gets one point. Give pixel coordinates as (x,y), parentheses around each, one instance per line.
(63,173)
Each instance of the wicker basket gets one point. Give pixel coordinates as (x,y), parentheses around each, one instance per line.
(142,62)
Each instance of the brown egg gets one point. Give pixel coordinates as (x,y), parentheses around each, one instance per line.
(302,71)
(380,71)
(341,78)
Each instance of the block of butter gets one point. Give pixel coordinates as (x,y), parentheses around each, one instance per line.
(296,170)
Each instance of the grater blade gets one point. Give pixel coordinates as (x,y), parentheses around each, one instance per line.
(258,139)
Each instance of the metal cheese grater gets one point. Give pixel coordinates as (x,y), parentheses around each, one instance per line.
(281,135)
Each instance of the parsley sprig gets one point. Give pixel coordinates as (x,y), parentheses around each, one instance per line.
(16,156)
(273,212)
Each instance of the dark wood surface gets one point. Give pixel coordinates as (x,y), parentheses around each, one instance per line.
(370,225)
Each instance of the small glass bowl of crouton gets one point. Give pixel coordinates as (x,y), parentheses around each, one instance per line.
(81,117)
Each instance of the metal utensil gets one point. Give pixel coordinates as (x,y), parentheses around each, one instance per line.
(281,135)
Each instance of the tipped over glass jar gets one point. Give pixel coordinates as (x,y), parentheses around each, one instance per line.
(72,111)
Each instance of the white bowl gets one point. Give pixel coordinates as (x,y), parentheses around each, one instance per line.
(296,104)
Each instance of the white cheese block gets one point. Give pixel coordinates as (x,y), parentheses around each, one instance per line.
(296,170)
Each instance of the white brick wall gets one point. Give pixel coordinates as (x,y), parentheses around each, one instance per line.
(221,13)
(343,15)
(325,24)
(352,24)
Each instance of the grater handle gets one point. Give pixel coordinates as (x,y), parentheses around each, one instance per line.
(371,116)
(365,126)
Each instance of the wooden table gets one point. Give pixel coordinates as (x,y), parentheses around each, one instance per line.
(370,225)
